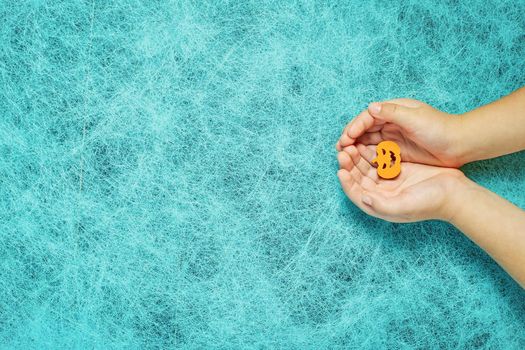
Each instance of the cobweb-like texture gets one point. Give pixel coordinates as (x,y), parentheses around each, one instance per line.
(168,175)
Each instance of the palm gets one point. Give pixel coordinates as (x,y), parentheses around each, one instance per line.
(416,194)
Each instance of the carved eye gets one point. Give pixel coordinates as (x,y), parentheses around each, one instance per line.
(392,156)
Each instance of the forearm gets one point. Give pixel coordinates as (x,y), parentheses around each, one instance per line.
(493,223)
(494,129)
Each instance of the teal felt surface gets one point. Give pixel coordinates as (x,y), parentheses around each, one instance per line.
(168,175)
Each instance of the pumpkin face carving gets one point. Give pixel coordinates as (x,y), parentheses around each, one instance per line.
(388,159)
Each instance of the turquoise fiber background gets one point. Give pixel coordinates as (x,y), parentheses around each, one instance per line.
(168,175)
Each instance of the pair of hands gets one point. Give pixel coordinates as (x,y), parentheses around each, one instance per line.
(430,152)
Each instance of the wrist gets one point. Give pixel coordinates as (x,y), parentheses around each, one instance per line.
(459,139)
(458,192)
(467,137)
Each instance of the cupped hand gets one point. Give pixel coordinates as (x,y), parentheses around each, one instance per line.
(425,135)
(420,192)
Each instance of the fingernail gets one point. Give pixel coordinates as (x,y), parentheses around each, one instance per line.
(375,107)
(366,199)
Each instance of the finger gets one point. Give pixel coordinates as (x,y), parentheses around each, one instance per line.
(361,164)
(360,124)
(356,126)
(352,190)
(345,139)
(345,162)
(378,125)
(366,182)
(368,153)
(370,138)
(392,113)
(356,174)
(350,186)
(338,146)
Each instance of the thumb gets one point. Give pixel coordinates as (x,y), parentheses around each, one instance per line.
(394,207)
(392,113)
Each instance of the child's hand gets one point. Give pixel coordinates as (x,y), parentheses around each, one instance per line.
(420,192)
(425,135)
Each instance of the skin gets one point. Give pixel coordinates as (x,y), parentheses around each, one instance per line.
(399,199)
(433,144)
(425,135)
(429,136)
